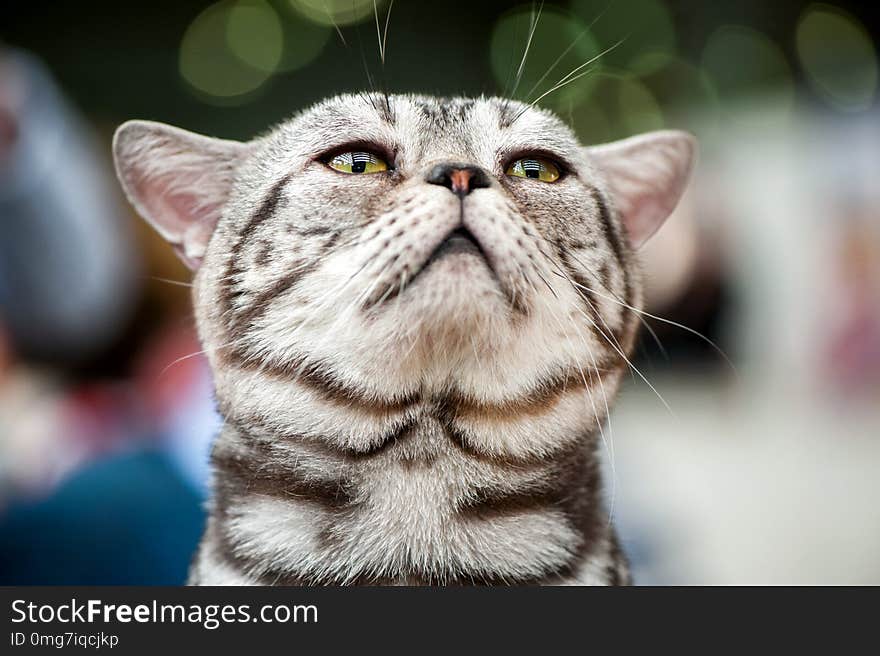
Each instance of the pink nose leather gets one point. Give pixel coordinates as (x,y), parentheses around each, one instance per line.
(461,180)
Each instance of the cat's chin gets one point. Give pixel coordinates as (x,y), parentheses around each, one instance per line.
(454,287)
(455,301)
(456,284)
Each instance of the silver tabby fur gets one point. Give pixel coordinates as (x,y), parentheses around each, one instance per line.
(394,413)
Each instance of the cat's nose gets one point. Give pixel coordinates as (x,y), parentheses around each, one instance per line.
(460,179)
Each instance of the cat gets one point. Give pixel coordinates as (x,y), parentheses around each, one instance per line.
(417,311)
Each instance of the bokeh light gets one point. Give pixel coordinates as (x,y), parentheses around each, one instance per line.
(620,105)
(644,29)
(338,12)
(684,86)
(744,63)
(231,49)
(254,34)
(591,123)
(838,56)
(304,40)
(688,96)
(773,255)
(639,109)
(560,46)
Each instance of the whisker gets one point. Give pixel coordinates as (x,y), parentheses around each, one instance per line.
(555,64)
(381,40)
(688,329)
(591,60)
(522,63)
(556,87)
(570,77)
(608,443)
(179,283)
(378,33)
(568,49)
(333,23)
(192,355)
(620,352)
(509,75)
(561,273)
(629,363)
(382,35)
(644,323)
(385,32)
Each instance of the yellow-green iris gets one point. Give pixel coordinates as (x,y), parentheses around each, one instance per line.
(535,168)
(358,162)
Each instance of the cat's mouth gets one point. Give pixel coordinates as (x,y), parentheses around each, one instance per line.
(459,241)
(459,254)
(460,251)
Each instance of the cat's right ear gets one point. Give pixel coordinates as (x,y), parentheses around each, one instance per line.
(179,181)
(647,175)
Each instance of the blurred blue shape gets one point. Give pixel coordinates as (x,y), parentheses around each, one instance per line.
(126,520)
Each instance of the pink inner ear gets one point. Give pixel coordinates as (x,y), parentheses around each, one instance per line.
(184,219)
(177,180)
(174,212)
(646,212)
(647,175)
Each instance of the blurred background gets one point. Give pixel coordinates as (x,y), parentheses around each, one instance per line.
(764,469)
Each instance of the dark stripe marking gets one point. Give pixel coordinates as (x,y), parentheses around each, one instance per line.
(245,317)
(244,426)
(228,292)
(538,400)
(488,503)
(255,474)
(627,334)
(319,377)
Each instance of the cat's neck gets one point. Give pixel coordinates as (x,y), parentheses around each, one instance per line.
(417,509)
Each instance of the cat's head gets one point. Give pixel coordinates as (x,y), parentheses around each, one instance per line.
(402,244)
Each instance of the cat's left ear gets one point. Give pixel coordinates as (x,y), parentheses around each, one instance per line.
(178,181)
(647,175)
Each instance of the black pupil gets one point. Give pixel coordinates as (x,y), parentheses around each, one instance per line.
(359,162)
(532,168)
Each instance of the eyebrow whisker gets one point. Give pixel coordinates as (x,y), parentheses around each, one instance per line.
(522,63)
(575,74)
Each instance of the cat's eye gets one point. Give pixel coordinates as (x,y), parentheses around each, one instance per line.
(536,168)
(359,161)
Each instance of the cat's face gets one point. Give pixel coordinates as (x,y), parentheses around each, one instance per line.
(409,245)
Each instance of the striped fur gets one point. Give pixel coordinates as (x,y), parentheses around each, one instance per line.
(394,417)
